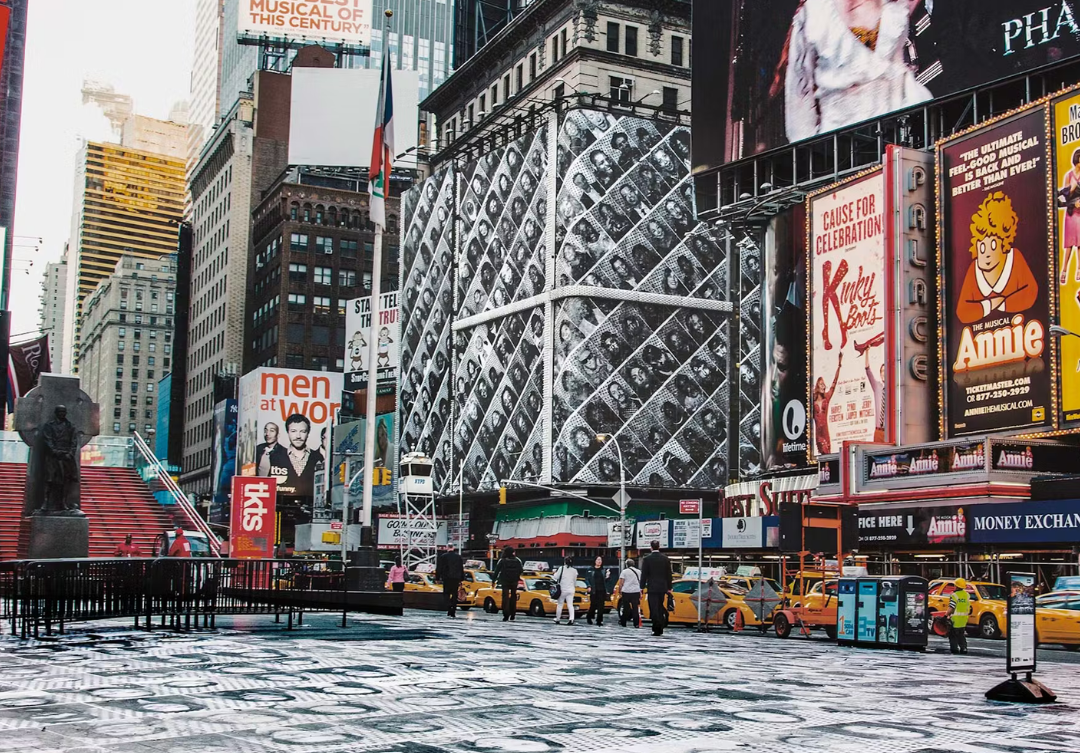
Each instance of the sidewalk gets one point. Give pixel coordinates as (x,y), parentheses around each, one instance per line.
(427,684)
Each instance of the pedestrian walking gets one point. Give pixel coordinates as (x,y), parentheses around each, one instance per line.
(566,578)
(598,593)
(450,571)
(656,581)
(507,574)
(959,612)
(629,588)
(397,575)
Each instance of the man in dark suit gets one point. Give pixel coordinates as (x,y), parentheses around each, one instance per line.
(450,571)
(656,580)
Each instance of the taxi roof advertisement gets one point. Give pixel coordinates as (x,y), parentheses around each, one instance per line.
(995,275)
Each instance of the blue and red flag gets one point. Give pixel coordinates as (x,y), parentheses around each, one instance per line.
(382,147)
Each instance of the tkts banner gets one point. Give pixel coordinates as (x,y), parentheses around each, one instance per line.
(848,314)
(1066,114)
(252,523)
(994,271)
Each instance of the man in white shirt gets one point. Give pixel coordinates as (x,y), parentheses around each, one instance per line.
(629,588)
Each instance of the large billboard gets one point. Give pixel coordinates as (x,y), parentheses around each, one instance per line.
(849,313)
(783,396)
(1066,130)
(785,70)
(223,465)
(344,21)
(994,275)
(252,528)
(349,443)
(285,419)
(387,334)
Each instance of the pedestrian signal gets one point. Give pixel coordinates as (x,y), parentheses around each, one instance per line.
(502,495)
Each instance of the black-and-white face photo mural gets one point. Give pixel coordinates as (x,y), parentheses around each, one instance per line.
(750,259)
(426,319)
(653,376)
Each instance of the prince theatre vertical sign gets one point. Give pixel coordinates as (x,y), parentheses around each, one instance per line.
(994,270)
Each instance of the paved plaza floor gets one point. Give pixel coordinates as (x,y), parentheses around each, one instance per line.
(426,684)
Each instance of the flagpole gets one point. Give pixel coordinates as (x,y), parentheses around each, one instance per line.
(367,540)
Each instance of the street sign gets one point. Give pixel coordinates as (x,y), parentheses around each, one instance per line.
(336,525)
(621,498)
(689,506)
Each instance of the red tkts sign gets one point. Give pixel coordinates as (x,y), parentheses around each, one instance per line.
(251,528)
(689,506)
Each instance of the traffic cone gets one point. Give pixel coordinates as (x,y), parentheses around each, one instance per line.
(738,621)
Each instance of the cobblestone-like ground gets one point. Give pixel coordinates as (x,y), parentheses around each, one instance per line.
(426,684)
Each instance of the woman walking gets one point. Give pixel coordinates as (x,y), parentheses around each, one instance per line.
(597,593)
(397,575)
(566,577)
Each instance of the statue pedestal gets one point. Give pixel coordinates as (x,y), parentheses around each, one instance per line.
(59,537)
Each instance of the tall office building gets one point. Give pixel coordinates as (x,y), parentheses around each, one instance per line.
(128,201)
(11,85)
(421,39)
(53,307)
(205,83)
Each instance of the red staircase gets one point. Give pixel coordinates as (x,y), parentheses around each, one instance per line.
(116,500)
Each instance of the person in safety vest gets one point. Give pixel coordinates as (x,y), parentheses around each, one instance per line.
(959,612)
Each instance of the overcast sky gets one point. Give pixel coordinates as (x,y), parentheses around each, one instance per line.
(141,47)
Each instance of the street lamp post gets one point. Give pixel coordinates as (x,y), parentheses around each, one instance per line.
(622,496)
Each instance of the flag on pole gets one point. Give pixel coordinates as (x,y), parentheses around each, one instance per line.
(26,362)
(382,146)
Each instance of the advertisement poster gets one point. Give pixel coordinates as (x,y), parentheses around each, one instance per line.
(1020,651)
(889,612)
(995,274)
(892,527)
(285,418)
(793,69)
(252,522)
(348,450)
(223,467)
(848,311)
(783,400)
(845,611)
(344,21)
(868,613)
(1066,114)
(653,530)
(358,330)
(686,534)
(398,531)
(914,612)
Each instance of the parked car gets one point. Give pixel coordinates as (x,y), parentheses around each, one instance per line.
(987,605)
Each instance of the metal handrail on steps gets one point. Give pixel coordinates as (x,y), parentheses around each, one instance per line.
(178,495)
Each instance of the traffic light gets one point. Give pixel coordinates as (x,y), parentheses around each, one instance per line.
(384,478)
(502,495)
(341,472)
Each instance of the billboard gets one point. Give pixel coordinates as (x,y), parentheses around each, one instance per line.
(252,531)
(994,274)
(777,72)
(349,443)
(783,395)
(285,419)
(327,105)
(849,308)
(891,527)
(1066,130)
(342,21)
(359,332)
(1029,522)
(396,531)
(223,465)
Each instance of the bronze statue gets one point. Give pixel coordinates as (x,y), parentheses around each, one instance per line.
(61,447)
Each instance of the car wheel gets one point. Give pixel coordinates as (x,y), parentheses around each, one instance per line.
(782,626)
(729,618)
(830,630)
(489,606)
(988,627)
(1071,646)
(536,609)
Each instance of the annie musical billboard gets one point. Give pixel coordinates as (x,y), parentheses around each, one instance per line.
(849,309)
(994,277)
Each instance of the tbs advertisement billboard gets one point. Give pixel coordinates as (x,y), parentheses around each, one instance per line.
(285,420)
(849,310)
(994,276)
(770,73)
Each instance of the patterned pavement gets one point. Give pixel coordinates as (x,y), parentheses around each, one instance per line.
(426,684)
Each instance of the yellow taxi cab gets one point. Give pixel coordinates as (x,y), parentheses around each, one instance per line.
(686,608)
(748,582)
(423,580)
(533,597)
(476,579)
(1057,619)
(987,605)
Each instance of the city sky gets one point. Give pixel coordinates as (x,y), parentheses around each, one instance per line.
(142,49)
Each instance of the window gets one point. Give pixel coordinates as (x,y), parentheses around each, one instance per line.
(471,117)
(495,94)
(150,374)
(483,104)
(296,300)
(342,306)
(298,272)
(149,400)
(321,304)
(612,37)
(631,41)
(348,249)
(116,427)
(120,358)
(150,387)
(519,78)
(320,363)
(563,35)
(121,332)
(560,91)
(340,364)
(622,90)
(671,98)
(131,426)
(347,277)
(324,276)
(677,51)
(117,398)
(294,361)
(532,67)
(120,345)
(153,347)
(555,48)
(119,372)
(116,413)
(134,373)
(326,245)
(134,387)
(367,280)
(150,361)
(298,242)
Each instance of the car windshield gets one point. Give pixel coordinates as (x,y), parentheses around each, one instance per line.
(539,584)
(991,591)
(482,577)
(581,584)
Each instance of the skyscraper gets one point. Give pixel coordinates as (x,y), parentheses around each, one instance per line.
(53,307)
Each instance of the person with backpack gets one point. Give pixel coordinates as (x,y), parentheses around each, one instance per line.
(507,574)
(598,593)
(629,588)
(656,580)
(565,585)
